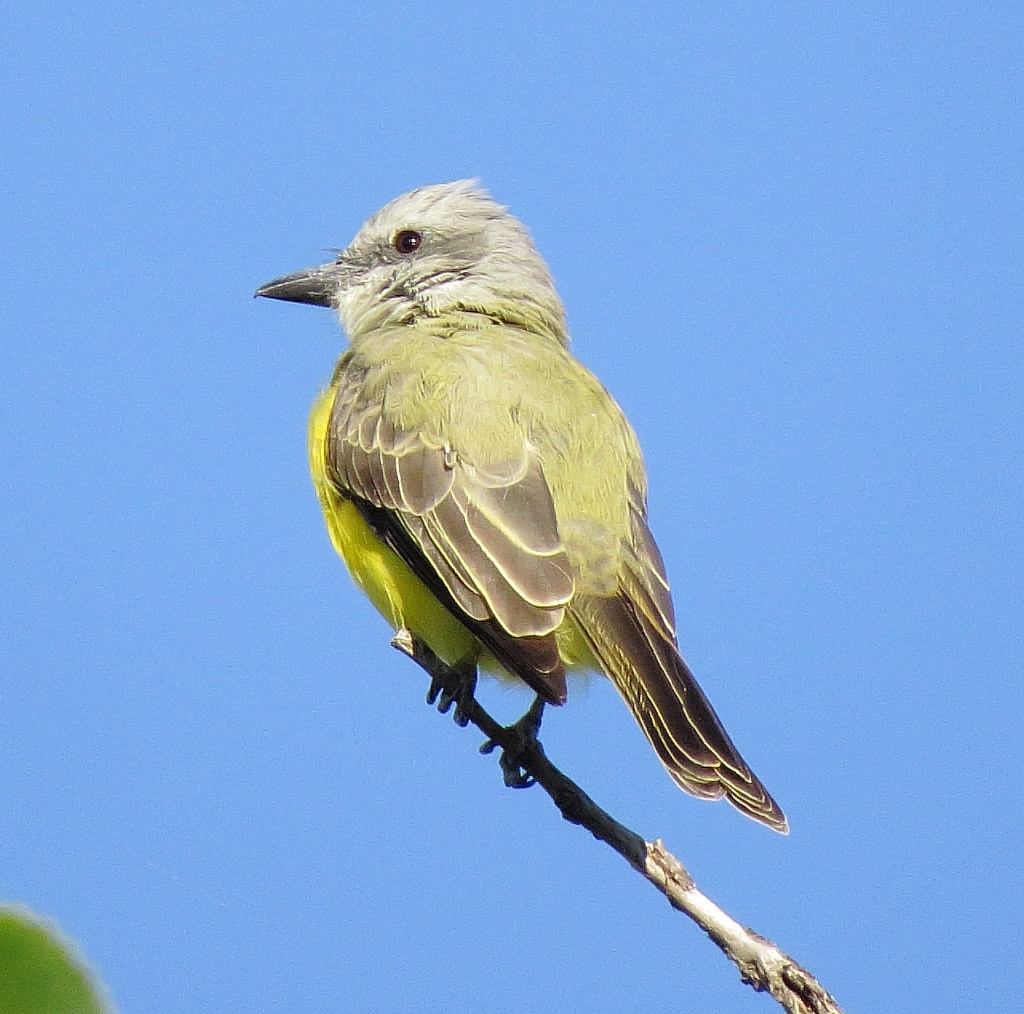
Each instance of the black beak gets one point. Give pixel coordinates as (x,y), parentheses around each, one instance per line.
(314,285)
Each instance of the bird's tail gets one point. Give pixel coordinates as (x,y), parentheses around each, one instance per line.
(644,663)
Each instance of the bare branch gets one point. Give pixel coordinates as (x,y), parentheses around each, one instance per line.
(761,964)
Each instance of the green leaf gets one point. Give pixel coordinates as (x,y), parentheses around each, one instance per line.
(41,971)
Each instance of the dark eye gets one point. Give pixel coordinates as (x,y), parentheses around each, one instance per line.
(408,241)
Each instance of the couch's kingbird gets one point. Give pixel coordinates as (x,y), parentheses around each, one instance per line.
(484,489)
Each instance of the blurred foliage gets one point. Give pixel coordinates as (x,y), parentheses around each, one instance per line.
(41,971)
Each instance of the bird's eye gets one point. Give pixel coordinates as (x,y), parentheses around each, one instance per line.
(408,241)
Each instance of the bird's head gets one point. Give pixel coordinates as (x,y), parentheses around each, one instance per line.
(439,248)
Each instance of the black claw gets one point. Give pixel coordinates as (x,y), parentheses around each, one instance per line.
(515,757)
(513,774)
(455,686)
(437,684)
(448,695)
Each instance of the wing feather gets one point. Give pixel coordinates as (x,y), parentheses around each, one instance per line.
(459,584)
(483,536)
(650,570)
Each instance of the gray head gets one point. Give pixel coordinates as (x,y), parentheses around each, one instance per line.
(439,248)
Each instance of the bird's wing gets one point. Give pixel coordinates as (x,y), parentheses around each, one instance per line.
(632,634)
(482,536)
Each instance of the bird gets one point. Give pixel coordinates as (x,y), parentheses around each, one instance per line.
(484,489)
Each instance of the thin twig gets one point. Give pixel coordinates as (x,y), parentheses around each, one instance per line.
(761,964)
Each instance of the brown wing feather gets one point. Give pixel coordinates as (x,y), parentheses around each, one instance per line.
(633,635)
(483,537)
(650,570)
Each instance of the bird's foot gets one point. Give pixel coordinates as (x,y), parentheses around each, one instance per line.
(521,743)
(449,684)
(456,685)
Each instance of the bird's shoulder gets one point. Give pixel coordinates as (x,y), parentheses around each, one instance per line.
(483,381)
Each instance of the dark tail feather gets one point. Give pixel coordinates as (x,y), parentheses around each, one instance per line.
(645,665)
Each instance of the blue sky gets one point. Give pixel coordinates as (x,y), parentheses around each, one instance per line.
(789,240)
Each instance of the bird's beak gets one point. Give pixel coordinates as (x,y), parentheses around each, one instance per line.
(318,286)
